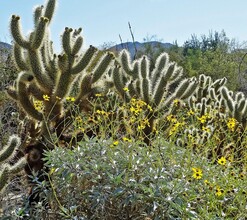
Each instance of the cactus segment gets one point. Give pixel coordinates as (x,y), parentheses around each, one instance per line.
(37,14)
(18,56)
(9,149)
(77,45)
(15,28)
(66,40)
(125,61)
(49,9)
(4,176)
(39,33)
(84,60)
(102,66)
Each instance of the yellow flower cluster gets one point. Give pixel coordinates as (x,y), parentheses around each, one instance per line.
(38,105)
(171,118)
(231,124)
(79,123)
(203,118)
(175,127)
(70,99)
(190,112)
(175,124)
(125,139)
(137,106)
(176,102)
(143,123)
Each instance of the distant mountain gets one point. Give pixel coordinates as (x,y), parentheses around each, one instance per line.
(5,45)
(130,46)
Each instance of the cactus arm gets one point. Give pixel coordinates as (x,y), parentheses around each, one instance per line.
(169,71)
(125,61)
(19,59)
(118,81)
(144,67)
(4,177)
(49,9)
(132,90)
(85,87)
(145,90)
(182,88)
(160,90)
(37,14)
(84,60)
(12,93)
(9,149)
(228,99)
(16,32)
(23,96)
(25,102)
(77,45)
(18,166)
(102,66)
(39,33)
(160,64)
(66,40)
(7,154)
(39,72)
(190,90)
(35,91)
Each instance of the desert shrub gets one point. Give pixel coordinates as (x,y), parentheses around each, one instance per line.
(120,179)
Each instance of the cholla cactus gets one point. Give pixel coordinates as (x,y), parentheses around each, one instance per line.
(6,154)
(236,105)
(137,80)
(152,86)
(46,79)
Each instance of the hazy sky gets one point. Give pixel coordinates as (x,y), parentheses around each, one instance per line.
(104,20)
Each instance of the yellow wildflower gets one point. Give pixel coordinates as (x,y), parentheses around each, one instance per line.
(46,97)
(219,191)
(71,99)
(125,89)
(202,119)
(176,102)
(143,124)
(222,161)
(231,124)
(149,108)
(197,173)
(114,144)
(171,118)
(190,112)
(125,139)
(38,105)
(207,129)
